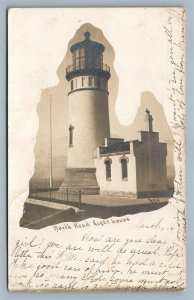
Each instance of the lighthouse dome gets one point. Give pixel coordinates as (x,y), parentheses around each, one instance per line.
(87,59)
(87,43)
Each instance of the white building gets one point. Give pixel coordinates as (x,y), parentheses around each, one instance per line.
(134,169)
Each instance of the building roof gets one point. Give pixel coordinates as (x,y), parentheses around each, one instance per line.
(118,147)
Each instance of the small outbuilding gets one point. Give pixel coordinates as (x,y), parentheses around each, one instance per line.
(135,169)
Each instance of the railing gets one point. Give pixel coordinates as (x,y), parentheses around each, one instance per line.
(57,196)
(89,67)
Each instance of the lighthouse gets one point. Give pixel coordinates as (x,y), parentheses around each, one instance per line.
(88,113)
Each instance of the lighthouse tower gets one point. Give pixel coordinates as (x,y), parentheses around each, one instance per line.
(88,115)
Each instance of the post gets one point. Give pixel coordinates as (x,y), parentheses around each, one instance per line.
(150,123)
(67,195)
(51,166)
(50,193)
(150,120)
(36,192)
(80,193)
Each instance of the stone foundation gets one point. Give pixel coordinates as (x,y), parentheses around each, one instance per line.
(138,195)
(155,194)
(119,194)
(80,179)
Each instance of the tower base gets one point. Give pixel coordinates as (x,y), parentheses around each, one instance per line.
(80,179)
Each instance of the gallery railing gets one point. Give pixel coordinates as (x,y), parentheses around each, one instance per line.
(73,67)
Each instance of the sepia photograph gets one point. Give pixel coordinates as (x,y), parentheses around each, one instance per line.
(96,159)
(86,163)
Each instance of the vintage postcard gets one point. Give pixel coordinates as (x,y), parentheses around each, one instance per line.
(96,105)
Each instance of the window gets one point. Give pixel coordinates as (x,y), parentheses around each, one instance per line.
(90,81)
(108,168)
(71,128)
(99,60)
(82,58)
(124,168)
(71,85)
(74,60)
(83,80)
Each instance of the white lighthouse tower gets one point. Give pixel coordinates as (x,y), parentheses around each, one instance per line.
(88,115)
